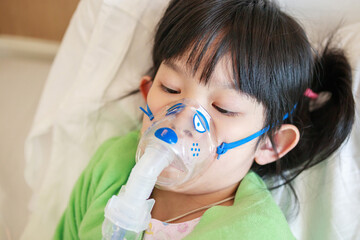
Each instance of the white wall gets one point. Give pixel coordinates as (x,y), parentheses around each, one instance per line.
(24,65)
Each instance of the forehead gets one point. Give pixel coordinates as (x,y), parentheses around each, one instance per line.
(221,76)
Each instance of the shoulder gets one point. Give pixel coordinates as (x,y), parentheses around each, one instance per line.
(113,150)
(114,160)
(254,215)
(259,212)
(106,172)
(123,145)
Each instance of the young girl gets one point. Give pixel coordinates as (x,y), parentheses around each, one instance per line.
(276,107)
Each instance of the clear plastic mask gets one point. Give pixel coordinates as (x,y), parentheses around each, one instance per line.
(187,130)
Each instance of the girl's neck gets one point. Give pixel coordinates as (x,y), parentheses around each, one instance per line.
(172,204)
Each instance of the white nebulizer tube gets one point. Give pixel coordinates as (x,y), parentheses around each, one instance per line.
(128,214)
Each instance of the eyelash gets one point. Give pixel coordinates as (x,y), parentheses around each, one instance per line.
(225,112)
(221,110)
(169,90)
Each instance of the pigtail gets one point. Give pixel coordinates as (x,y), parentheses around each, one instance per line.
(331,124)
(323,129)
(327,126)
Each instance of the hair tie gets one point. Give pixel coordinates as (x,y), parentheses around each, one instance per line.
(317,100)
(310,94)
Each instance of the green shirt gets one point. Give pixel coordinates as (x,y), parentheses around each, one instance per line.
(254,214)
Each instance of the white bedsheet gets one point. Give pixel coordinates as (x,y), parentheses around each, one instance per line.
(104,53)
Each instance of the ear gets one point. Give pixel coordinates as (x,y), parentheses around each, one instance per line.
(285,139)
(145,85)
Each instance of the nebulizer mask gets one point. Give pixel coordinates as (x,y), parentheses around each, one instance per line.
(186,129)
(178,147)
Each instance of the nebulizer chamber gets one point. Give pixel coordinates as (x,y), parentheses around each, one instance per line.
(128,214)
(174,150)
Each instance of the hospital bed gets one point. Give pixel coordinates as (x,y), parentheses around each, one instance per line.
(105,51)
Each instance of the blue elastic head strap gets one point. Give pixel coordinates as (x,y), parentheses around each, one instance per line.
(148,112)
(224,147)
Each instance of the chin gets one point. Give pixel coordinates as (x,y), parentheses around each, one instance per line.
(193,187)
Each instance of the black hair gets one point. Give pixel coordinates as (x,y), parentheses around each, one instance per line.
(273,62)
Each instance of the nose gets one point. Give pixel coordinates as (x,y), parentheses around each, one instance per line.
(188,133)
(181,132)
(182,123)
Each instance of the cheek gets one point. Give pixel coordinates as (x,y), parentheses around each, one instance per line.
(156,100)
(153,101)
(146,123)
(230,169)
(233,165)
(231,130)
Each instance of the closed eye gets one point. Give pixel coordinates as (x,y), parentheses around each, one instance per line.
(169,90)
(226,112)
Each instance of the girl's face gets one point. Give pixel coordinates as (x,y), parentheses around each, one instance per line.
(235,116)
